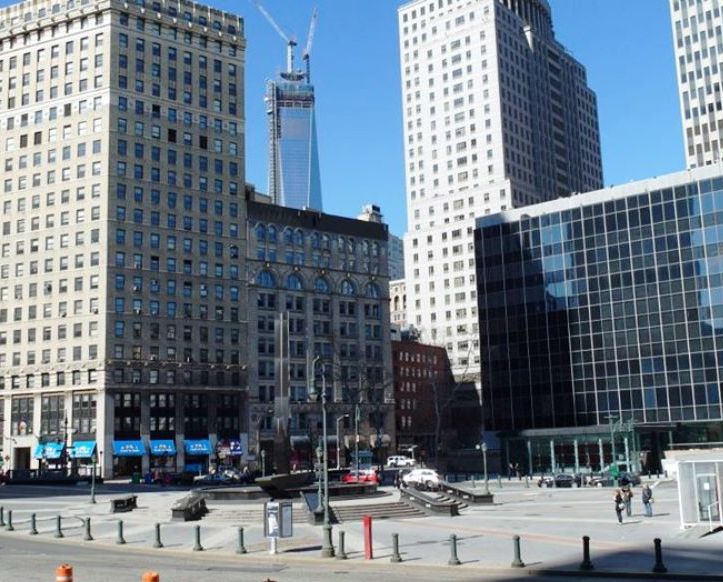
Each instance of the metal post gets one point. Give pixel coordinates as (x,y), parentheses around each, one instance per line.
(320,488)
(527,482)
(241,549)
(120,540)
(88,537)
(263,462)
(2,516)
(341,554)
(627,454)
(33,529)
(553,468)
(484,463)
(327,548)
(659,567)
(92,482)
(59,527)
(453,558)
(197,547)
(10,521)
(529,458)
(586,564)
(499,481)
(396,558)
(577,457)
(602,453)
(158,543)
(517,560)
(357,413)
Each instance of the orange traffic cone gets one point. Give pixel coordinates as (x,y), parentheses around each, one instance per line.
(64,573)
(151,577)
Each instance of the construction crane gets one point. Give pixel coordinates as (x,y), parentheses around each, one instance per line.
(309,41)
(290,42)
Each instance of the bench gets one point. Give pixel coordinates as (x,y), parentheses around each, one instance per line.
(189,508)
(124,504)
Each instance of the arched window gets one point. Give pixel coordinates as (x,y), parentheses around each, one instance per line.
(347,287)
(396,303)
(299,237)
(266,279)
(372,291)
(365,247)
(322,285)
(315,240)
(375,249)
(326,242)
(350,246)
(271,234)
(288,236)
(260,232)
(294,283)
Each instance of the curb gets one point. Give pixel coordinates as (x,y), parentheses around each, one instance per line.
(622,574)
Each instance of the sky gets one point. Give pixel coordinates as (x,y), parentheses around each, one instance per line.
(625,45)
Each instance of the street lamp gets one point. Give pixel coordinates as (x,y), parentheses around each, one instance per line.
(92,477)
(483,448)
(610,418)
(327,547)
(338,440)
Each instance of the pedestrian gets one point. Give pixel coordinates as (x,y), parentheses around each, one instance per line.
(647,498)
(619,505)
(518,471)
(628,499)
(510,471)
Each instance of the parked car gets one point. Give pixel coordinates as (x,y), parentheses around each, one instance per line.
(361,476)
(400,461)
(606,479)
(561,480)
(426,478)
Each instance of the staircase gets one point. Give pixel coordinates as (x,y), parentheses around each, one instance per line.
(220,514)
(392,510)
(443,498)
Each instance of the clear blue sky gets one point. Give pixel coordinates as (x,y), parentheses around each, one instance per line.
(625,45)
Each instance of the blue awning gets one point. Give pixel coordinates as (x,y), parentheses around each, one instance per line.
(49,451)
(161,447)
(229,448)
(235,446)
(82,450)
(198,447)
(128,448)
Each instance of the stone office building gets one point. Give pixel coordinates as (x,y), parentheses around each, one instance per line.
(318,286)
(122,306)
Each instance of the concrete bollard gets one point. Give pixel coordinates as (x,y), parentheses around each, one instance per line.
(517,559)
(58,527)
(527,482)
(2,516)
(88,537)
(197,547)
(396,558)
(9,526)
(341,554)
(157,543)
(586,564)
(499,481)
(241,549)
(64,573)
(453,558)
(151,577)
(120,540)
(33,526)
(659,567)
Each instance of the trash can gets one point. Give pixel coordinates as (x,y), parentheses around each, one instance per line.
(136,479)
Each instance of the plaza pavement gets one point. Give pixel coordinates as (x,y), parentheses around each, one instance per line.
(550,522)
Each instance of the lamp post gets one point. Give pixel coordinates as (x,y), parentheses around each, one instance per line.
(610,418)
(327,547)
(338,440)
(483,448)
(357,414)
(92,478)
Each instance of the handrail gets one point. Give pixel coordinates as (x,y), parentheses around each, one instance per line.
(710,516)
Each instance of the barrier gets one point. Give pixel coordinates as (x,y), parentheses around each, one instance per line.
(241,548)
(2,516)
(120,540)
(59,527)
(341,554)
(88,537)
(157,543)
(197,547)
(10,527)
(586,564)
(396,557)
(33,526)
(367,526)
(659,567)
(64,573)
(453,558)
(517,559)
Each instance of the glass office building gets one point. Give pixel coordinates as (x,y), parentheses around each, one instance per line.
(606,308)
(294,177)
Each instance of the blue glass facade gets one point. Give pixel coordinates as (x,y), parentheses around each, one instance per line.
(605,304)
(294,177)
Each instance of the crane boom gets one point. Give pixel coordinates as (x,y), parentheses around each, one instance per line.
(271,20)
(310,38)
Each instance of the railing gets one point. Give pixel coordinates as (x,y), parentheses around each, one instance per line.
(709,509)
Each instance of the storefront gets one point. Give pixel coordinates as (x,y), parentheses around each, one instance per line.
(82,454)
(198,454)
(230,453)
(163,456)
(128,457)
(49,454)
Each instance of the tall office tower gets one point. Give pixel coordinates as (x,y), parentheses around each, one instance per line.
(497,114)
(294,177)
(123,239)
(698,58)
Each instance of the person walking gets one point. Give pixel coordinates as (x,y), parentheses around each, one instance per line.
(619,505)
(647,498)
(628,500)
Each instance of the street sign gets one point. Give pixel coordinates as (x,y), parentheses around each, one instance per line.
(278,519)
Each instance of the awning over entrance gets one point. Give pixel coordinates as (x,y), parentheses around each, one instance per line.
(198,447)
(49,451)
(229,448)
(163,447)
(82,450)
(129,448)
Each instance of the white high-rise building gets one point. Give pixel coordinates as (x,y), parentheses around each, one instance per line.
(497,114)
(699,58)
